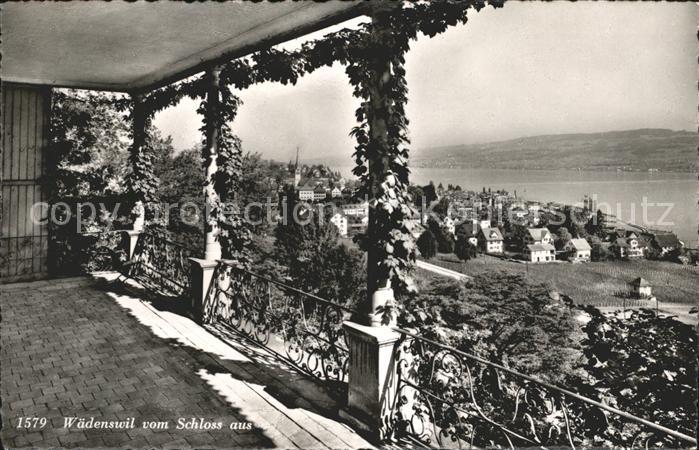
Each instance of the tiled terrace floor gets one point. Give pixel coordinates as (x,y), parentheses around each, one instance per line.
(77,348)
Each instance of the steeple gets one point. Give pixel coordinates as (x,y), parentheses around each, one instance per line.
(297,171)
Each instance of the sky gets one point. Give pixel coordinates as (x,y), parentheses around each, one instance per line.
(522,70)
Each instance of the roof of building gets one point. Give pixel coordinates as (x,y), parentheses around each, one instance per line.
(541,247)
(580,244)
(640,282)
(319,190)
(667,240)
(538,233)
(492,234)
(621,242)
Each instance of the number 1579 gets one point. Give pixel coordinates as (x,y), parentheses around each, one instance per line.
(31,422)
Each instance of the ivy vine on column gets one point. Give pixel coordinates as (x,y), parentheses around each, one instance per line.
(143,183)
(235,231)
(377,75)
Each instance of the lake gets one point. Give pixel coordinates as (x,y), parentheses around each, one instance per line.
(670,198)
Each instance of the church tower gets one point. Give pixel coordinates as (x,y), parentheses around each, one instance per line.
(297,170)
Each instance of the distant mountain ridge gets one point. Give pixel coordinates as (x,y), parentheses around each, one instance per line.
(630,150)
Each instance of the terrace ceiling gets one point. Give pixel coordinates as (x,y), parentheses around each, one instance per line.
(130,46)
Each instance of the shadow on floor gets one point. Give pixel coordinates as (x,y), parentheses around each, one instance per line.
(105,364)
(259,367)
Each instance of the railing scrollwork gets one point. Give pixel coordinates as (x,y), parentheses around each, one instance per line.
(162,264)
(304,329)
(451,399)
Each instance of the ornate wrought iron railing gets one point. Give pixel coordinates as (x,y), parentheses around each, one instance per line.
(299,327)
(449,398)
(161,264)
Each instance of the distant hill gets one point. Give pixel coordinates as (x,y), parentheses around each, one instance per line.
(633,150)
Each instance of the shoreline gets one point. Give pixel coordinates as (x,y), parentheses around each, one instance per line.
(553,169)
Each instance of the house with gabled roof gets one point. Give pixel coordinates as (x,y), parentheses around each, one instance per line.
(537,253)
(641,288)
(491,241)
(538,236)
(578,250)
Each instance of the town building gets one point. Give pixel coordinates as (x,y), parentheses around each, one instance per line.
(356,209)
(634,249)
(538,236)
(336,192)
(449,224)
(518,213)
(627,244)
(305,192)
(640,288)
(319,193)
(534,207)
(340,221)
(540,253)
(578,250)
(356,225)
(491,241)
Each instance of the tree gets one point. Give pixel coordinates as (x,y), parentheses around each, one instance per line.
(442,207)
(465,250)
(502,317)
(87,163)
(427,244)
(596,225)
(446,244)
(181,178)
(573,221)
(562,237)
(598,251)
(430,193)
(644,364)
(89,144)
(445,241)
(466,229)
(518,235)
(314,261)
(417,194)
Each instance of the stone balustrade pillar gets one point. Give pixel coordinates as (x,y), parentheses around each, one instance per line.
(202,276)
(129,239)
(372,378)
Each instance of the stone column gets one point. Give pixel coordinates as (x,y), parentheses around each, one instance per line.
(372,345)
(213,103)
(138,124)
